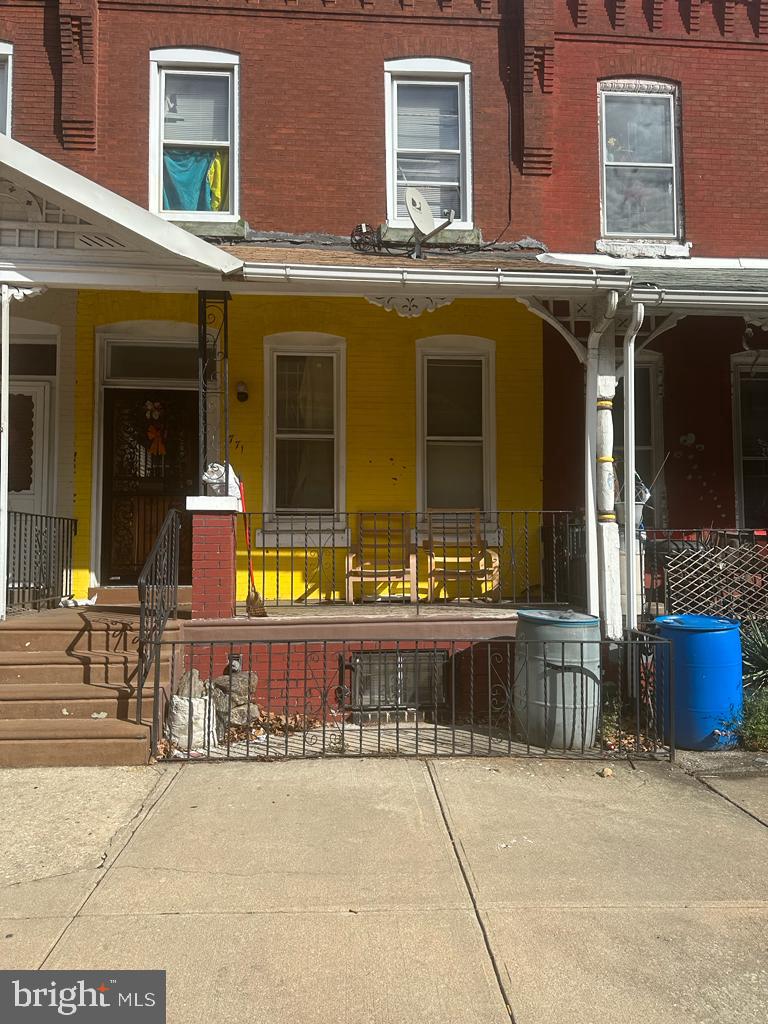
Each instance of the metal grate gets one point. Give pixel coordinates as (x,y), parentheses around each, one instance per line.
(730,581)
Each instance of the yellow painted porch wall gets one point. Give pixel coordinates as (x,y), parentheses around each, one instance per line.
(381,392)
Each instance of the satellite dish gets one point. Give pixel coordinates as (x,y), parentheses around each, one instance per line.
(419,211)
(423,219)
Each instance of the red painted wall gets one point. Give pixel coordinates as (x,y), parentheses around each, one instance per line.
(312,102)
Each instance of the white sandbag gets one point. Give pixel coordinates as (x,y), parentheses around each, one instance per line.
(203,723)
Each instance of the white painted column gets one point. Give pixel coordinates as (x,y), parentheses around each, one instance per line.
(5,337)
(607,527)
(630,533)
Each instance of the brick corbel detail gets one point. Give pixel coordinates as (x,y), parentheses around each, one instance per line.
(78,43)
(582,13)
(538,73)
(694,15)
(657,15)
(729,16)
(214,565)
(762,19)
(619,13)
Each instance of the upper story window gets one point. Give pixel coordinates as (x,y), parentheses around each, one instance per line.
(640,160)
(429,137)
(6,64)
(193,124)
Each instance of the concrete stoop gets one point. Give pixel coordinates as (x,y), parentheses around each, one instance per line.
(68,690)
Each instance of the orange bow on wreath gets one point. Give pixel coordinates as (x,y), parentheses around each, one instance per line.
(156,437)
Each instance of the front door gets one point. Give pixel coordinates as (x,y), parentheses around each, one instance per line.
(150,466)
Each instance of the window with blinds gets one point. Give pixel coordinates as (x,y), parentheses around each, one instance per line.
(196,141)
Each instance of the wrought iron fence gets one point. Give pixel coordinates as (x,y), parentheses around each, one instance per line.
(423,698)
(519,557)
(39,561)
(706,571)
(158,601)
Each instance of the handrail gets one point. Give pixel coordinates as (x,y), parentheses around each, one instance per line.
(158,602)
(40,555)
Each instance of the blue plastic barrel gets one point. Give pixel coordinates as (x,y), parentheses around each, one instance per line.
(708,688)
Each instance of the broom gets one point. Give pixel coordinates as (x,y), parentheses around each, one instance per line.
(254,606)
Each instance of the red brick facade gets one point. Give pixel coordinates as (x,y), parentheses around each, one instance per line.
(214,565)
(312,139)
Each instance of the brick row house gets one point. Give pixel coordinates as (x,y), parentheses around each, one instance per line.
(207,256)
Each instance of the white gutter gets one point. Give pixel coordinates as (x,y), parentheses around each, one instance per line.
(702,301)
(348,279)
(91,201)
(599,260)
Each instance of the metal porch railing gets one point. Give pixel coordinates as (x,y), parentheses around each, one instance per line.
(703,570)
(39,561)
(158,602)
(267,699)
(520,557)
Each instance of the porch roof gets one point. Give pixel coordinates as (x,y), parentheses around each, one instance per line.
(729,287)
(60,228)
(334,269)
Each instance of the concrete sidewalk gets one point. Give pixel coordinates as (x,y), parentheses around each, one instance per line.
(391,892)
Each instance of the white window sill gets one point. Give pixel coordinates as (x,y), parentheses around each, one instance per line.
(321,533)
(632,247)
(197,217)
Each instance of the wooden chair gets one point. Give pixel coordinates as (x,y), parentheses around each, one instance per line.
(383,558)
(458,552)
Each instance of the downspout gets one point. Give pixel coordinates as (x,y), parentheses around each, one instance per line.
(630,534)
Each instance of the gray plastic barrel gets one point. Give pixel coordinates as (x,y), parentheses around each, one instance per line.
(557,678)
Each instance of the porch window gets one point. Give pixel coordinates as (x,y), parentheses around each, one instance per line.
(6,60)
(455,416)
(648,435)
(752,445)
(428,138)
(304,415)
(194,170)
(640,160)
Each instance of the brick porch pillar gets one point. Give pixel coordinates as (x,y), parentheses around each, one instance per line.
(214,557)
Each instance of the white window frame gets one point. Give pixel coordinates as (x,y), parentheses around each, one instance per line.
(642,87)
(181,59)
(304,343)
(6,57)
(742,363)
(457,346)
(415,71)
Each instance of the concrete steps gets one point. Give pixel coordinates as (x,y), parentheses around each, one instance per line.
(68,689)
(72,700)
(43,742)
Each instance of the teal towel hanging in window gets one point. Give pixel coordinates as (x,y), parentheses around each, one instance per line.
(185,178)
